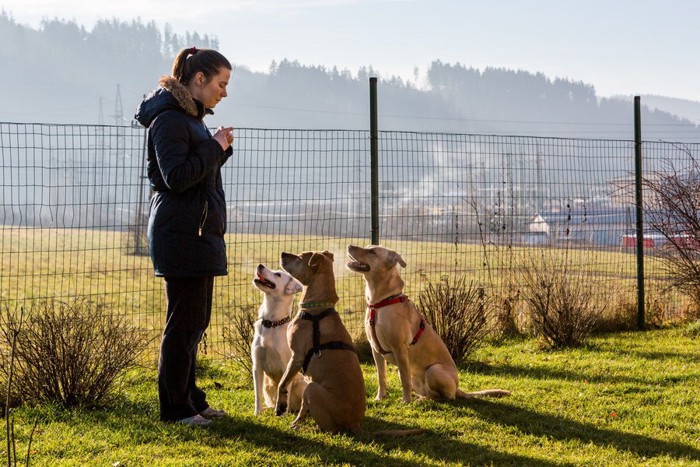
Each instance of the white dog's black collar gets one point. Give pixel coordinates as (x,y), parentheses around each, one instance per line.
(273,324)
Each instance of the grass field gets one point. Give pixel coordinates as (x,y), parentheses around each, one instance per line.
(64,263)
(624,400)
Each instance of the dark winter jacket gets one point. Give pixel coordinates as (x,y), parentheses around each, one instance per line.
(188,211)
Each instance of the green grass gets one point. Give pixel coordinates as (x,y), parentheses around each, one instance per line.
(64,263)
(625,399)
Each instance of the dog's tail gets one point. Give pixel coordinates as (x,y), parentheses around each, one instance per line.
(485,393)
(399,433)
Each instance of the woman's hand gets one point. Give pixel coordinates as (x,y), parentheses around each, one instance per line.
(224,136)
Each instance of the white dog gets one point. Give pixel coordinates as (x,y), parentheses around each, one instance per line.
(270,350)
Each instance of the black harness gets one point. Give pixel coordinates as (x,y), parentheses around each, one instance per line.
(318,347)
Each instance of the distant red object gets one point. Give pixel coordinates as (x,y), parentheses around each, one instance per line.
(657,241)
(651,241)
(686,242)
(631,242)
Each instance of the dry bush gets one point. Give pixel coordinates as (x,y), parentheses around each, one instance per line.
(657,311)
(507,306)
(362,346)
(457,312)
(672,205)
(239,337)
(506,318)
(662,308)
(564,304)
(666,305)
(69,353)
(620,315)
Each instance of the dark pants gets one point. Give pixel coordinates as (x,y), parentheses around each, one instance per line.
(187,317)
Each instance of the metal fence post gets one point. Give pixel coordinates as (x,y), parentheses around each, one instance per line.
(640,211)
(374,158)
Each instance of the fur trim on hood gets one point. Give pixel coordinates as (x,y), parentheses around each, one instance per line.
(180,93)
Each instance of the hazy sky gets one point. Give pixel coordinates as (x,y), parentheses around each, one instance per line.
(618,46)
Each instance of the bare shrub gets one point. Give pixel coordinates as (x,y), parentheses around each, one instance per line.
(69,353)
(11,440)
(508,318)
(457,311)
(672,208)
(620,315)
(239,337)
(362,346)
(663,307)
(564,304)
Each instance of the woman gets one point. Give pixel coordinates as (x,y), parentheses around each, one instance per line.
(187,218)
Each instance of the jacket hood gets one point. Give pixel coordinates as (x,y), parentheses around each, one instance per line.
(171,95)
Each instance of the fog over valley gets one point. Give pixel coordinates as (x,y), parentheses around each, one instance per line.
(63,72)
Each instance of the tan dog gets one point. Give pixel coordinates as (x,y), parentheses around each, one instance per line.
(400,335)
(322,349)
(270,350)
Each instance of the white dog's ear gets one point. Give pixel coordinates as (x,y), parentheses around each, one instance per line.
(399,260)
(294,286)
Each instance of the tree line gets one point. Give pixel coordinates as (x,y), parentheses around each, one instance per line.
(63,73)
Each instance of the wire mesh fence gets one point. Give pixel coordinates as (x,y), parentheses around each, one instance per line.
(75,204)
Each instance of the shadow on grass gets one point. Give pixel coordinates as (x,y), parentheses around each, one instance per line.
(371,449)
(435,446)
(689,356)
(441,448)
(564,429)
(289,442)
(232,430)
(547,374)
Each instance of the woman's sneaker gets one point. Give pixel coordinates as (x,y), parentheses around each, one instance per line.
(195,420)
(212,413)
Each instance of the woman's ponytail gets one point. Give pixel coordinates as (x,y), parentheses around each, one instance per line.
(192,60)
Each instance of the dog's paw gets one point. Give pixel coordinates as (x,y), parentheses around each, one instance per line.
(280,409)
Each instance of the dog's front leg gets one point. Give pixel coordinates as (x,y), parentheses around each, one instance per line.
(403,362)
(293,367)
(303,412)
(258,378)
(380,364)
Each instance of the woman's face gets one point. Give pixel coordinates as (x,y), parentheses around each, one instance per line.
(210,92)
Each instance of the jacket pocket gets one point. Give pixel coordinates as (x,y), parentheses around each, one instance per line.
(203,217)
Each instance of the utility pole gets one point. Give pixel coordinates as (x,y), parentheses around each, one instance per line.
(119,119)
(118,108)
(101,123)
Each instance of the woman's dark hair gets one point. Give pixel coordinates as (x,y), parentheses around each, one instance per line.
(191,61)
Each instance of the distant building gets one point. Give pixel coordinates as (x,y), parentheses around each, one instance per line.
(603,227)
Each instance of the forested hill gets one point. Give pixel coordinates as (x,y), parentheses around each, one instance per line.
(63,73)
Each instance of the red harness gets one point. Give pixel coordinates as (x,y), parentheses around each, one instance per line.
(373,319)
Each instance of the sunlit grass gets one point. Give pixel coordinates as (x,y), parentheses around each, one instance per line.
(624,400)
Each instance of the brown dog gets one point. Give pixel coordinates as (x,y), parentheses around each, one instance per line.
(399,334)
(322,349)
